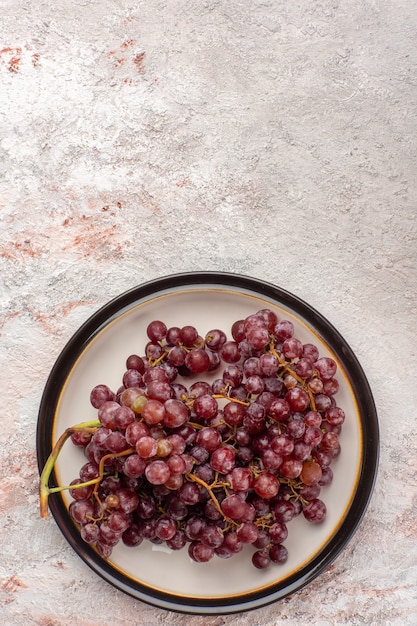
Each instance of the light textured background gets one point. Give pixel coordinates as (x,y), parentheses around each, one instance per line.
(275,139)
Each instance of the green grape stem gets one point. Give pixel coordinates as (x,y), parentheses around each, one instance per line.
(44,489)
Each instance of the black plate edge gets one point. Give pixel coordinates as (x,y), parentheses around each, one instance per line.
(358,380)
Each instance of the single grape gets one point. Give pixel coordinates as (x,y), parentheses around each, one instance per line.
(135,362)
(335,416)
(132,536)
(173,336)
(268,364)
(205,406)
(313,418)
(132,378)
(188,335)
(211,536)
(158,390)
(178,541)
(255,385)
(165,528)
(197,361)
(241,479)
(283,511)
(322,402)
(270,318)
(257,337)
(261,559)
(270,460)
(304,368)
(156,331)
(157,472)
(237,330)
(134,466)
(315,511)
(80,493)
(326,368)
(279,410)
(290,467)
(123,417)
(107,413)
(283,330)
(283,445)
(266,485)
(296,427)
(330,386)
(298,399)
(278,554)
(234,507)
(208,438)
(330,441)
(176,356)
(310,352)
(248,532)
(81,439)
(200,552)
(326,477)
(223,460)
(90,532)
(312,436)
(100,394)
(215,338)
(81,511)
(153,351)
(311,472)
(116,442)
(229,352)
(278,532)
(146,447)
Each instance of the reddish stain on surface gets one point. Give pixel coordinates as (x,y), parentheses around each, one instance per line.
(12,584)
(11,58)
(406,524)
(138,60)
(8,317)
(127,44)
(121,57)
(93,239)
(17,249)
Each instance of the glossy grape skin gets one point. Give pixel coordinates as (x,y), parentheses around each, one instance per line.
(222,460)
(156,331)
(315,511)
(278,554)
(229,352)
(261,559)
(266,485)
(100,394)
(214,339)
(188,335)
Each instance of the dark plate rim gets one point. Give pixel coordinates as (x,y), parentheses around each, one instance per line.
(368,417)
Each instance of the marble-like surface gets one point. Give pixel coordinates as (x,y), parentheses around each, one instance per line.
(276,139)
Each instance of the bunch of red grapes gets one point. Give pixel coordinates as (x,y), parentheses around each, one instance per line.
(210,466)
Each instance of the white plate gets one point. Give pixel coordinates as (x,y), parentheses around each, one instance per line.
(96,355)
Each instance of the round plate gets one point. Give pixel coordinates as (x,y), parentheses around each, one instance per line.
(97,353)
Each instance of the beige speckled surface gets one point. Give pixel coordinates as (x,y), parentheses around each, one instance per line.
(276,139)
